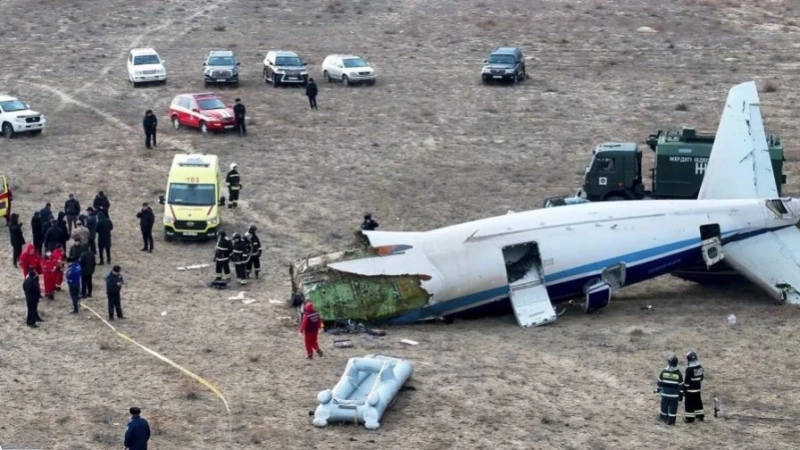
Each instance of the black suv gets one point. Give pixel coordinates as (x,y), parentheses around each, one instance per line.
(504,64)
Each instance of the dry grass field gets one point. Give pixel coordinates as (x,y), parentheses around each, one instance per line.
(426,147)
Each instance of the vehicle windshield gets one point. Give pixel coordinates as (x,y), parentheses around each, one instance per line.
(221,61)
(288,61)
(13,105)
(210,103)
(145,59)
(191,194)
(501,59)
(354,62)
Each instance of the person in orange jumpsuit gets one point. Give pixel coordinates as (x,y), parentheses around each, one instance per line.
(30,260)
(58,255)
(50,267)
(310,327)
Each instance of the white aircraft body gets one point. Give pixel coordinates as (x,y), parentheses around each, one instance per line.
(543,257)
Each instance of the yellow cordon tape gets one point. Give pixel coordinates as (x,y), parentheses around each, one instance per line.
(198,378)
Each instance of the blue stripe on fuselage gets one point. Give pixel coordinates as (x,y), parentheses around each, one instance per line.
(563,290)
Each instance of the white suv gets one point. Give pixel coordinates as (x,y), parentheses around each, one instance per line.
(348,69)
(144,66)
(16,117)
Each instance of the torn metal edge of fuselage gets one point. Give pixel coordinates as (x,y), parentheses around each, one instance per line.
(309,273)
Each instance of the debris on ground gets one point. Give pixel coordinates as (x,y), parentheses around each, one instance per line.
(194,266)
(731,320)
(239,296)
(409,342)
(342,343)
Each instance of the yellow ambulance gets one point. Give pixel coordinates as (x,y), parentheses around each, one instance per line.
(5,197)
(193,200)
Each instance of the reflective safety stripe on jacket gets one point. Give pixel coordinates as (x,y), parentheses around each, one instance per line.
(670,381)
(694,377)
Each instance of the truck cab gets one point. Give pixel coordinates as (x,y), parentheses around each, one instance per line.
(192,204)
(614,173)
(681,157)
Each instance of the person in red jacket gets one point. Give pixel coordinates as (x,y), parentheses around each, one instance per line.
(58,255)
(310,327)
(30,260)
(50,266)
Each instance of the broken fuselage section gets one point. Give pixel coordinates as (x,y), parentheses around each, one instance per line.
(338,294)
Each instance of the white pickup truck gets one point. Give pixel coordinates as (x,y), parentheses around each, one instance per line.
(16,117)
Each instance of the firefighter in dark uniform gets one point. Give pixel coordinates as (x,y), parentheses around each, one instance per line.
(692,389)
(255,250)
(248,247)
(238,258)
(234,186)
(238,114)
(222,256)
(670,385)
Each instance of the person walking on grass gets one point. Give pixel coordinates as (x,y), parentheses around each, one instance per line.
(309,327)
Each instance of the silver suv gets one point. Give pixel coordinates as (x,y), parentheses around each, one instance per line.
(221,66)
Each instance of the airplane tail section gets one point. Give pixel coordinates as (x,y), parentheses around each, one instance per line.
(739,166)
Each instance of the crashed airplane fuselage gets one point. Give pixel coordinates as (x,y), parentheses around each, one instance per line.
(543,257)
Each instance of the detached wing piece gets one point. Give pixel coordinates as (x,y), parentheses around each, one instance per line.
(771,261)
(739,165)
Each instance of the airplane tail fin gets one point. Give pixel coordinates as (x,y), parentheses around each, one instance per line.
(739,166)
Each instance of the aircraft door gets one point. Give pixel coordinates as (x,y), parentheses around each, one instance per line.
(526,285)
(711,246)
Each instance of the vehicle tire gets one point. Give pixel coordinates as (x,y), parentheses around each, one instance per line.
(345,81)
(36,132)
(371,83)
(167,238)
(616,198)
(203,127)
(176,124)
(8,130)
(205,83)
(326,77)
(275,82)
(484,80)
(134,84)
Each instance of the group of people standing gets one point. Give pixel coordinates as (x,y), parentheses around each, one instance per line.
(674,387)
(65,246)
(244,252)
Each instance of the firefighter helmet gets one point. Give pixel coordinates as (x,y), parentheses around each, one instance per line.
(691,356)
(673,361)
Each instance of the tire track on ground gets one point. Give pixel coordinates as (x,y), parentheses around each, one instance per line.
(67,99)
(148,31)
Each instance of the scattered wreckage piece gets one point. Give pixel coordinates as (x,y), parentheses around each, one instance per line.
(367,387)
(194,266)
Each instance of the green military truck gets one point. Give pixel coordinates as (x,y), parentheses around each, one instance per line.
(681,156)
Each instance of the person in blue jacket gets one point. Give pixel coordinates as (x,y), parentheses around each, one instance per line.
(74,273)
(138,432)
